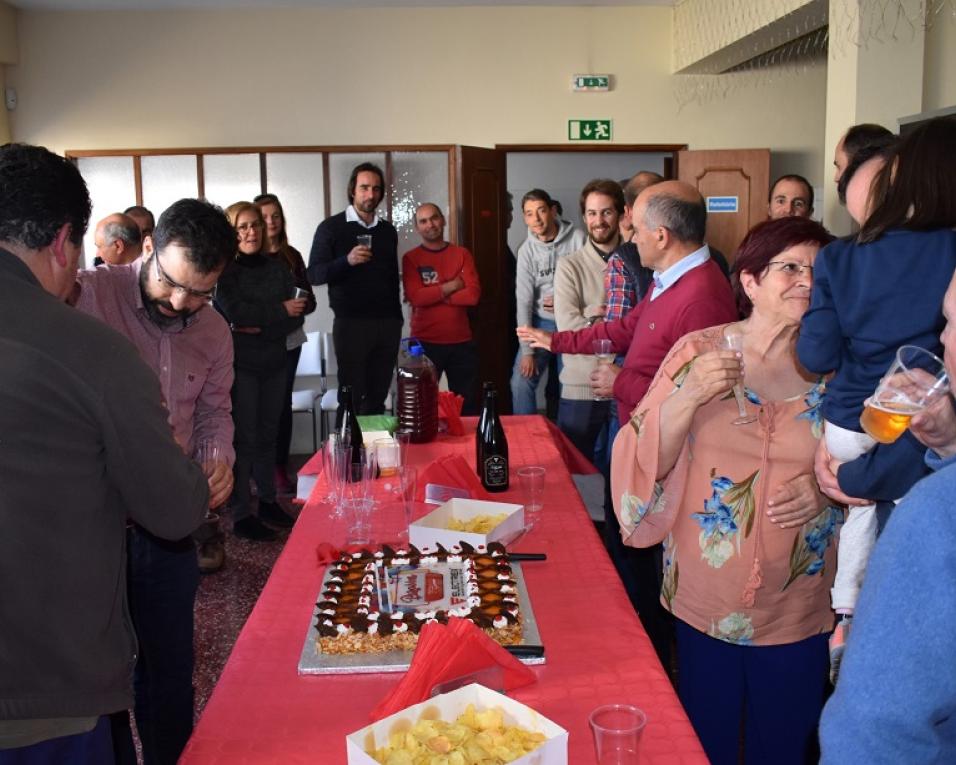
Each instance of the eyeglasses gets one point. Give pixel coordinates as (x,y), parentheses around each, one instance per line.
(243,227)
(177,287)
(789,268)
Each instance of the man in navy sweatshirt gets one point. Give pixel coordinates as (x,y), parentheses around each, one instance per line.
(356,254)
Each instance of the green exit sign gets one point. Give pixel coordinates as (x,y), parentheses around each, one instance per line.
(590,82)
(589,130)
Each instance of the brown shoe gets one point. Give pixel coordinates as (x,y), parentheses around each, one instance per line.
(211,556)
(209,539)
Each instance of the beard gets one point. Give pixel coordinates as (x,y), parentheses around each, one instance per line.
(152,304)
(602,235)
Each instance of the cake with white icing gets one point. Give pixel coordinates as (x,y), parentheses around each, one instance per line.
(374,601)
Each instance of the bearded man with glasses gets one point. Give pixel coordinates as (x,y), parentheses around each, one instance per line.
(161,303)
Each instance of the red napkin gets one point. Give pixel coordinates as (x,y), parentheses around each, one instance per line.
(446,652)
(450,470)
(449,409)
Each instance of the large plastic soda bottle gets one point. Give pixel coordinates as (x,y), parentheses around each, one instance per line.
(417,394)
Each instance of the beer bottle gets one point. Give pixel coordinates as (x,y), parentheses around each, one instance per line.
(492,446)
(349,429)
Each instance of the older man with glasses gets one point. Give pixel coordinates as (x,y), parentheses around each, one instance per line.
(160,303)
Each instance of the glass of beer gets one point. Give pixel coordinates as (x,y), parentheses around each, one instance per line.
(915,380)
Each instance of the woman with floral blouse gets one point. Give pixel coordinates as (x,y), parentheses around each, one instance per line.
(750,593)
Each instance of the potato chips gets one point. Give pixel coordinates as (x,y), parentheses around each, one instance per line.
(475,738)
(480,524)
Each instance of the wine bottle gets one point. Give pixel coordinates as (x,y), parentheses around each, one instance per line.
(485,387)
(349,429)
(493,447)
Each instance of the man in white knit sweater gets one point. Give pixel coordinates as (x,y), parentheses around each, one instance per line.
(579,300)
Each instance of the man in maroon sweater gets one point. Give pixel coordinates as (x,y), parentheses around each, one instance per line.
(689,293)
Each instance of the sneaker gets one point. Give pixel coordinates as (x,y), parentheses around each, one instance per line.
(838,645)
(274,515)
(284,486)
(253,529)
(212,555)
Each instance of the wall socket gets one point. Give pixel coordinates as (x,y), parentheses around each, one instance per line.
(10,98)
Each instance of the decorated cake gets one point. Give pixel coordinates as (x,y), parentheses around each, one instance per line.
(374,601)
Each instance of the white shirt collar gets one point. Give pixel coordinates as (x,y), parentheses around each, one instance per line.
(664,280)
(353,217)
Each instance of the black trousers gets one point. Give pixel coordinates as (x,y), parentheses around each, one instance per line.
(284,438)
(257,399)
(460,362)
(366,351)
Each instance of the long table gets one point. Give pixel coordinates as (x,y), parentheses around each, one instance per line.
(262,711)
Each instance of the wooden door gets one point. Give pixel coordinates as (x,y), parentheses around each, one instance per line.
(735,184)
(483,210)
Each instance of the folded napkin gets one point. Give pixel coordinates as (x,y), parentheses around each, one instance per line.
(449,410)
(450,470)
(446,652)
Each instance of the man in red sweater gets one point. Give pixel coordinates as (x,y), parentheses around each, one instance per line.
(440,283)
(689,292)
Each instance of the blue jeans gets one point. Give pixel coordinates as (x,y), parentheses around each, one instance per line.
(162,581)
(524,390)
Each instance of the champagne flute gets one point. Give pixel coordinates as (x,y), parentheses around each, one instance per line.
(207,454)
(734,341)
(604,352)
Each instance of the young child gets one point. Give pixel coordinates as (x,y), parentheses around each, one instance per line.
(873,293)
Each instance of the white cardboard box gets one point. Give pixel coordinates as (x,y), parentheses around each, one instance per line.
(554,751)
(433,528)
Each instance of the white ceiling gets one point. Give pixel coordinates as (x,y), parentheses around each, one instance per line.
(158,5)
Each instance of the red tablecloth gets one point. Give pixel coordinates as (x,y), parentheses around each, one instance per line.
(597,653)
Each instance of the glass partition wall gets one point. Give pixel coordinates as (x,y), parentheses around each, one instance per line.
(311,183)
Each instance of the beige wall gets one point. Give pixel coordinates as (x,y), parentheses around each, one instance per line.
(939,79)
(467,75)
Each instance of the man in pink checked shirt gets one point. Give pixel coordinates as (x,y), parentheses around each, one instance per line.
(161,303)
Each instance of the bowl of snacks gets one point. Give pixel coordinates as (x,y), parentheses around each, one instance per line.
(474,521)
(469,726)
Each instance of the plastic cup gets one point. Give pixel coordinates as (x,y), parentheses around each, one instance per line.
(365,240)
(617,730)
(531,480)
(604,353)
(389,456)
(915,380)
(358,516)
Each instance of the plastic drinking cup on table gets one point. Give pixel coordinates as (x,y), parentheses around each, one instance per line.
(915,380)
(617,730)
(358,516)
(389,455)
(531,480)
(359,473)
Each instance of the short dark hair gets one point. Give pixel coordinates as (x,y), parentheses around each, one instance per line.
(39,192)
(139,210)
(202,229)
(686,219)
(865,134)
(916,189)
(796,179)
(860,158)
(365,167)
(764,242)
(125,230)
(537,195)
(607,187)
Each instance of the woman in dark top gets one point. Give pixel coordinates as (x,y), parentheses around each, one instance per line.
(255,294)
(277,246)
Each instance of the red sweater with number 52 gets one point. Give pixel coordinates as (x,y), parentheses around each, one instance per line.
(437,319)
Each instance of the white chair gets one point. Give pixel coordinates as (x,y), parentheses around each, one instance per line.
(310,364)
(330,396)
